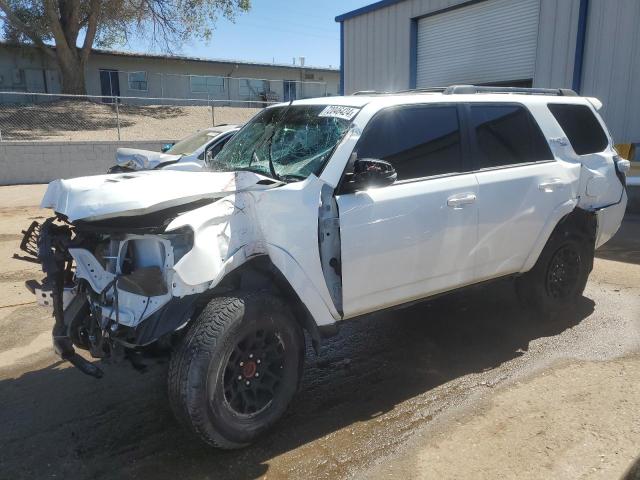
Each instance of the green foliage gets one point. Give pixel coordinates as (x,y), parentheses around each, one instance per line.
(165,24)
(30,14)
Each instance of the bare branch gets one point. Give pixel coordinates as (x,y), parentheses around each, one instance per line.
(92,28)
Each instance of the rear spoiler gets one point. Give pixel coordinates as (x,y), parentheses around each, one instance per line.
(597,104)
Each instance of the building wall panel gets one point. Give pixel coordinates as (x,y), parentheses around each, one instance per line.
(379,57)
(611,69)
(557,31)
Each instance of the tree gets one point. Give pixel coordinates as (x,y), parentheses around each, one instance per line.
(74,26)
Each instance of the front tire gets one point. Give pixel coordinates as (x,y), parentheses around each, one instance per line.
(559,276)
(237,369)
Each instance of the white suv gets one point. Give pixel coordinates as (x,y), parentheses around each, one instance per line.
(320,211)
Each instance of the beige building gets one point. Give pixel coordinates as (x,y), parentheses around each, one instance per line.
(109,73)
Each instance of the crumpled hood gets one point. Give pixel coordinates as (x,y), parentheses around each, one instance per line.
(125,194)
(137,159)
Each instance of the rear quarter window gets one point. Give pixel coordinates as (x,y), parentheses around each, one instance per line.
(581,127)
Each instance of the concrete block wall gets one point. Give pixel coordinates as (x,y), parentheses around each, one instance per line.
(42,162)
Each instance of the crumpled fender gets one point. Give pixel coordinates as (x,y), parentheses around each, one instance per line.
(232,230)
(222,231)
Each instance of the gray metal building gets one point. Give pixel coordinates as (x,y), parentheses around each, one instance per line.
(592,46)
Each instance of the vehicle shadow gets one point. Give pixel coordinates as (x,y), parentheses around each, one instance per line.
(122,427)
(633,473)
(624,246)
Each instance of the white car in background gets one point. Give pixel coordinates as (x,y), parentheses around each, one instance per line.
(194,152)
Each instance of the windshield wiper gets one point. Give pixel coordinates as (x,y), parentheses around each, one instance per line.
(287,178)
(271,168)
(254,156)
(268,140)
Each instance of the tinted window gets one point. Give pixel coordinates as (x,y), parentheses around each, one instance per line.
(507,135)
(581,127)
(418,141)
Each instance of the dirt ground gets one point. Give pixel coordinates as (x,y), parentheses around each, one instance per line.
(466,386)
(72,120)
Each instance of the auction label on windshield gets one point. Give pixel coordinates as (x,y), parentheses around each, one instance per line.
(339,111)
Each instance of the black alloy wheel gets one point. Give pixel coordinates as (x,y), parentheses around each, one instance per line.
(563,273)
(253,372)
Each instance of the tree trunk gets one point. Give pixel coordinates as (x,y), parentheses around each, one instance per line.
(72,71)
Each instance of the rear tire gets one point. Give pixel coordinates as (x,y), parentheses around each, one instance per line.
(237,369)
(559,276)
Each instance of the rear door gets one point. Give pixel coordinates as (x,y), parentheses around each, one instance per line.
(415,237)
(520,185)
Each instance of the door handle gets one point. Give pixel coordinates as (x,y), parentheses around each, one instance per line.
(461,199)
(551,185)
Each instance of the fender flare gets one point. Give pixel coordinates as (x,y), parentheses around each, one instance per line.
(556,216)
(321,313)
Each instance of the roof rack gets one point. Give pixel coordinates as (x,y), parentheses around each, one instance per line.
(473,89)
(424,90)
(370,92)
(398,92)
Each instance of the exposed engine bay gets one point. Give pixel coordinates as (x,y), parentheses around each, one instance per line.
(108,290)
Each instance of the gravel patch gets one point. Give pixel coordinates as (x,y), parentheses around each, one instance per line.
(72,120)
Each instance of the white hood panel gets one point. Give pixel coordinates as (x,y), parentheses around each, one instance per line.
(126,194)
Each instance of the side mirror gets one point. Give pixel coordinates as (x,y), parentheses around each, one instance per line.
(370,172)
(166,147)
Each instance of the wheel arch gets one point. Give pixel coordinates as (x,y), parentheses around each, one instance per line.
(260,273)
(566,218)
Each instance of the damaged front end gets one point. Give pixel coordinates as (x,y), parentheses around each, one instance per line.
(110,253)
(110,292)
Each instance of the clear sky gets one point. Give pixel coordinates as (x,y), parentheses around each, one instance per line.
(276,30)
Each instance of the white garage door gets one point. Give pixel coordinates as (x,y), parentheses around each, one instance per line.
(487,42)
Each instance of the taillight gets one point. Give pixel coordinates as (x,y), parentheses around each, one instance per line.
(622,168)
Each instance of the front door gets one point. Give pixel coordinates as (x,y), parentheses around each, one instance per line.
(109,85)
(289,90)
(416,237)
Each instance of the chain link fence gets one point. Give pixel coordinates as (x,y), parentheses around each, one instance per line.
(75,118)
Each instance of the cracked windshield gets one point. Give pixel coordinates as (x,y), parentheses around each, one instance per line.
(287,143)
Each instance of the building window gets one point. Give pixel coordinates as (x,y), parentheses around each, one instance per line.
(251,88)
(138,81)
(209,85)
